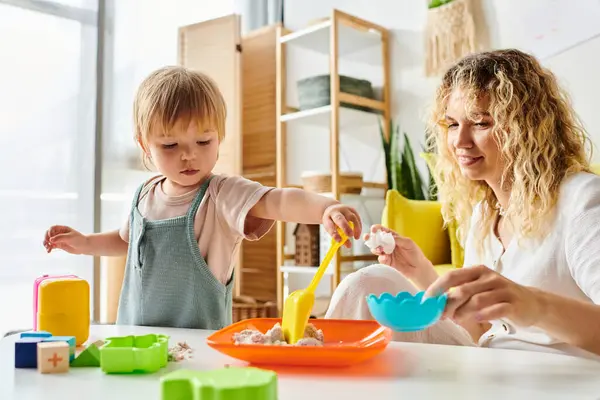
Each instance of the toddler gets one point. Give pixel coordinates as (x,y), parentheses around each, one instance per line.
(186,225)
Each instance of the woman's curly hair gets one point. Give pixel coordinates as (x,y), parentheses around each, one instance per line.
(539,135)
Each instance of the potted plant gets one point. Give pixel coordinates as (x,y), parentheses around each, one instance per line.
(402,172)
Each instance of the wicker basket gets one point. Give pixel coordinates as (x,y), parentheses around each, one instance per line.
(320,182)
(245,307)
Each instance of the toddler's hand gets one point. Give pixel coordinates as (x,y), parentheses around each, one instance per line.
(339,215)
(65,238)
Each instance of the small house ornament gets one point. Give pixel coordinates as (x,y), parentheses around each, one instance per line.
(307,245)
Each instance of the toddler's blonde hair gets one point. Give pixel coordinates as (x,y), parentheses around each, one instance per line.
(540,137)
(177,95)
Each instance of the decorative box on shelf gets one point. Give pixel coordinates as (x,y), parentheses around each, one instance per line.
(315,91)
(320,182)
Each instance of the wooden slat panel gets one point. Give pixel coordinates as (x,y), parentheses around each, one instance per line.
(259,274)
(211,47)
(259,79)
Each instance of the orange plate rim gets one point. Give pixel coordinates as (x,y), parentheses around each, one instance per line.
(387,333)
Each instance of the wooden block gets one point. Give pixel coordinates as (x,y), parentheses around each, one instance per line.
(26,353)
(52,357)
(36,334)
(90,357)
(70,340)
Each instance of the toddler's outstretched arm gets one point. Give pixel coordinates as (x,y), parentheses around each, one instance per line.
(97,244)
(301,206)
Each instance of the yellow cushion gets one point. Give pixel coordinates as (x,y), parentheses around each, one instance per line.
(456,250)
(421,221)
(595,168)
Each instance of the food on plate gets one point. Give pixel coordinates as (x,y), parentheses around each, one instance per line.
(274,336)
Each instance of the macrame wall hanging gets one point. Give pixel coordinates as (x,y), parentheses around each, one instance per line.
(449,34)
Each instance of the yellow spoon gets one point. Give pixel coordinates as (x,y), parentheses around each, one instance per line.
(299,304)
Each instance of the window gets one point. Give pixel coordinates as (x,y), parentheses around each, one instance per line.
(47,126)
(47,114)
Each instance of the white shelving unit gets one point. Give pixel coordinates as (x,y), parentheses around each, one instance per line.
(357,39)
(321,116)
(340,37)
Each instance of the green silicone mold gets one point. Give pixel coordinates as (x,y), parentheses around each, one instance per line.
(134,354)
(221,384)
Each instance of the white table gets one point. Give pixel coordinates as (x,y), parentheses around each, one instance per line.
(403,371)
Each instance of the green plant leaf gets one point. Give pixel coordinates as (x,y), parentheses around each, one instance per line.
(430,189)
(416,182)
(405,186)
(404,175)
(437,3)
(395,159)
(387,154)
(386,151)
(402,172)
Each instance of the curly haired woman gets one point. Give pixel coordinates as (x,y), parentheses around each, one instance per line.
(513,174)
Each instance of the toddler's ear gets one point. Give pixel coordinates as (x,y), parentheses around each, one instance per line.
(144,149)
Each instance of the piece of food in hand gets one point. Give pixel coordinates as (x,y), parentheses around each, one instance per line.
(383,241)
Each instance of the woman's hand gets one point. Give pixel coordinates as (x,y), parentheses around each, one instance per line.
(482,294)
(407,258)
(67,239)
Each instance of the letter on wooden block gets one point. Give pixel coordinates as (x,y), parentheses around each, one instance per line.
(70,340)
(52,357)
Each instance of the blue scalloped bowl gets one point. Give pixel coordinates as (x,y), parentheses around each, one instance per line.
(405,312)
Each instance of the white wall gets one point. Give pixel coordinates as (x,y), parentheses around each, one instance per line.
(504,21)
(577,69)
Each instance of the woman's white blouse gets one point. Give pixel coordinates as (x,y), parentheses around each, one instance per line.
(566,262)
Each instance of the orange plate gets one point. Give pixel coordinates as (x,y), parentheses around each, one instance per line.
(347,342)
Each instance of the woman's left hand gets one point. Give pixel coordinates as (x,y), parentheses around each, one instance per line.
(482,294)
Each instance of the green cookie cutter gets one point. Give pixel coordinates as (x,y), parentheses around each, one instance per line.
(134,354)
(222,384)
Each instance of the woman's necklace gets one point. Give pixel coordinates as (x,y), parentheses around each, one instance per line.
(501,210)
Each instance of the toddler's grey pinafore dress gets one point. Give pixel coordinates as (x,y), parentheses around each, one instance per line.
(167,282)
